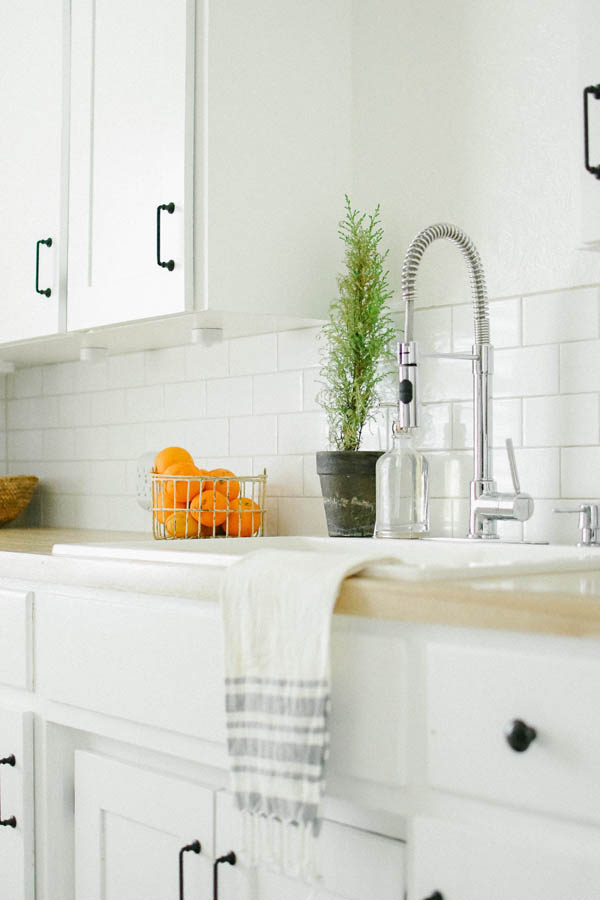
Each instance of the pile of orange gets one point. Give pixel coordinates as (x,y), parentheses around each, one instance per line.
(200,503)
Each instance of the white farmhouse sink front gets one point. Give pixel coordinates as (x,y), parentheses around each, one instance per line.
(429,558)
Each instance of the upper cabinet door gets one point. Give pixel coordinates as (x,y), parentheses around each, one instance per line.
(131,118)
(31,41)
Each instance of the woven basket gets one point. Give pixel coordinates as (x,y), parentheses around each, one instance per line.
(16,492)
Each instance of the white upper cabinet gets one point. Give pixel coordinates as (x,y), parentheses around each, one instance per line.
(277,151)
(131,91)
(238,114)
(31,42)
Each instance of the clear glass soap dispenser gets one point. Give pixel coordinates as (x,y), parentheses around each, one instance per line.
(402,479)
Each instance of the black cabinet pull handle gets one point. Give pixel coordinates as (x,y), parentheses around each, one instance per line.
(435,896)
(194,847)
(170,208)
(593,89)
(519,735)
(48,243)
(229,858)
(12,822)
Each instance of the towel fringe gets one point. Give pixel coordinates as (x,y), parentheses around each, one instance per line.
(283,847)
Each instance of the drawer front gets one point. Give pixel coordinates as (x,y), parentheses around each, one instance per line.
(354,864)
(16,800)
(15,638)
(157,664)
(474,693)
(471,863)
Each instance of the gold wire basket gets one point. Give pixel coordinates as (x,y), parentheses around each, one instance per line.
(208,506)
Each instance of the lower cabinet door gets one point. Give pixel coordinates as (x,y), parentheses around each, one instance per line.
(470,863)
(16,805)
(354,864)
(131,827)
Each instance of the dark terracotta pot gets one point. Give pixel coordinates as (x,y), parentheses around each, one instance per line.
(348,486)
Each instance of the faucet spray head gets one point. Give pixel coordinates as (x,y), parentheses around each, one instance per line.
(407,385)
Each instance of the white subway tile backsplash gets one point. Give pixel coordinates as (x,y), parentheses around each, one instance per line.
(59,443)
(433,329)
(311,388)
(312,483)
(206,362)
(506,424)
(278,392)
(579,367)
(302,432)
(25,383)
(206,437)
(526,372)
(146,404)
(250,403)
(164,365)
(229,396)
(105,407)
(580,472)
(539,471)
(302,515)
(185,400)
(25,445)
(126,371)
(253,435)
(561,420)
(299,349)
(251,355)
(505,324)
(563,316)
(285,474)
(91,443)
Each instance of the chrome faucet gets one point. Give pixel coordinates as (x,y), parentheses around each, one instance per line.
(487,505)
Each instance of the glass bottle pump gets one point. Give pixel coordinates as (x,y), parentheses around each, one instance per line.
(402,489)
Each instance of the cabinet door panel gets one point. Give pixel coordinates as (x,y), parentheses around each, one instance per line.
(472,862)
(128,138)
(130,824)
(16,795)
(30,151)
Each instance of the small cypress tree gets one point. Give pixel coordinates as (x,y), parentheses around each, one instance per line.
(358,335)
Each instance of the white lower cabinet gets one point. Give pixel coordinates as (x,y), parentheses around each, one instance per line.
(16,805)
(452,861)
(132,828)
(354,864)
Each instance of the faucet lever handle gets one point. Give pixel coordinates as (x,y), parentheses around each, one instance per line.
(512,461)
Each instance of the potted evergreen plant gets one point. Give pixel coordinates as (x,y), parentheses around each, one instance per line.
(356,358)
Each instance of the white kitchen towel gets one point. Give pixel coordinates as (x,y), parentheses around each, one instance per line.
(277,608)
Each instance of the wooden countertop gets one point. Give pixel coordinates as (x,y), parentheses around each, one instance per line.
(563,603)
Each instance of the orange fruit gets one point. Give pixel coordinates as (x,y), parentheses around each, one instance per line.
(163,507)
(210,507)
(183,490)
(169,456)
(244,517)
(231,489)
(181,525)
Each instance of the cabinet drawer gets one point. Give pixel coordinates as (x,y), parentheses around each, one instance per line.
(157,663)
(475,862)
(16,796)
(15,638)
(355,864)
(474,693)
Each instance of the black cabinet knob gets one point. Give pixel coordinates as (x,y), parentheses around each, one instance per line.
(435,896)
(519,735)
